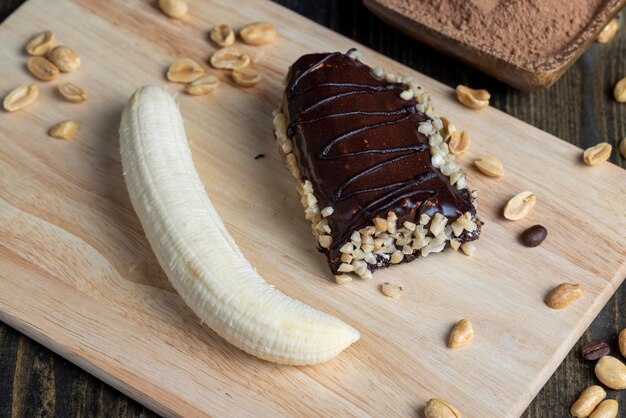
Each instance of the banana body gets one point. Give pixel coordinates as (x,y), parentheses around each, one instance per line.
(200,258)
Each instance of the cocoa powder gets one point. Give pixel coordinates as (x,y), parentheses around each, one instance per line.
(527,33)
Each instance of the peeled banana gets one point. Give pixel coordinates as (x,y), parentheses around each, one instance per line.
(200,258)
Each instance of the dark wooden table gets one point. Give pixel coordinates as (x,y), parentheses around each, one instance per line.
(34,382)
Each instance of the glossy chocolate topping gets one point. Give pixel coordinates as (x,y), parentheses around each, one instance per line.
(357,142)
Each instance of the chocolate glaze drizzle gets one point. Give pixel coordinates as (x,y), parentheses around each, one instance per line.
(356,140)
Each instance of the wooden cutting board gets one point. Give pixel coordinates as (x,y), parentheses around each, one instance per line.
(77,274)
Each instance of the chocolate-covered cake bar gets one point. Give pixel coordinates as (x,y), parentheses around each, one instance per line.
(374,172)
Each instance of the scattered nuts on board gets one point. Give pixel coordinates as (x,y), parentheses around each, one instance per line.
(475,99)
(42,68)
(64,130)
(343,279)
(174,8)
(222,35)
(607,409)
(622,147)
(184,70)
(391,290)
(40,44)
(20,98)
(462,334)
(437,408)
(490,166)
(620,90)
(519,206)
(246,77)
(611,372)
(587,401)
(259,33)
(65,58)
(203,85)
(563,295)
(621,340)
(459,142)
(534,236)
(595,349)
(608,32)
(229,59)
(72,93)
(597,154)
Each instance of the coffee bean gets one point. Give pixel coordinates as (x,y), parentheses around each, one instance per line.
(595,349)
(534,236)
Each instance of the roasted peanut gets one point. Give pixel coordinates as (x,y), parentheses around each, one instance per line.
(621,340)
(391,290)
(42,68)
(459,142)
(20,98)
(65,58)
(65,130)
(620,90)
(475,99)
(40,44)
(611,372)
(229,59)
(184,70)
(448,128)
(462,334)
(563,295)
(490,166)
(608,32)
(259,33)
(519,206)
(222,35)
(203,85)
(607,409)
(587,401)
(438,408)
(246,77)
(72,93)
(174,8)
(597,154)
(343,279)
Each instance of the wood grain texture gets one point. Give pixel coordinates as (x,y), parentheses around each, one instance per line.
(570,110)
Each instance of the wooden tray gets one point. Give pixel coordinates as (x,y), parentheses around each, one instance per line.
(517,76)
(77,274)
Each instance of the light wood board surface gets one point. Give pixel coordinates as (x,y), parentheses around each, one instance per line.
(77,274)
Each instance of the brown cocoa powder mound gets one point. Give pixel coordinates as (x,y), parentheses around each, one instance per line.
(527,33)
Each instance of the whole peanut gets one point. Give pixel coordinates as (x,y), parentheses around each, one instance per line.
(611,372)
(587,401)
